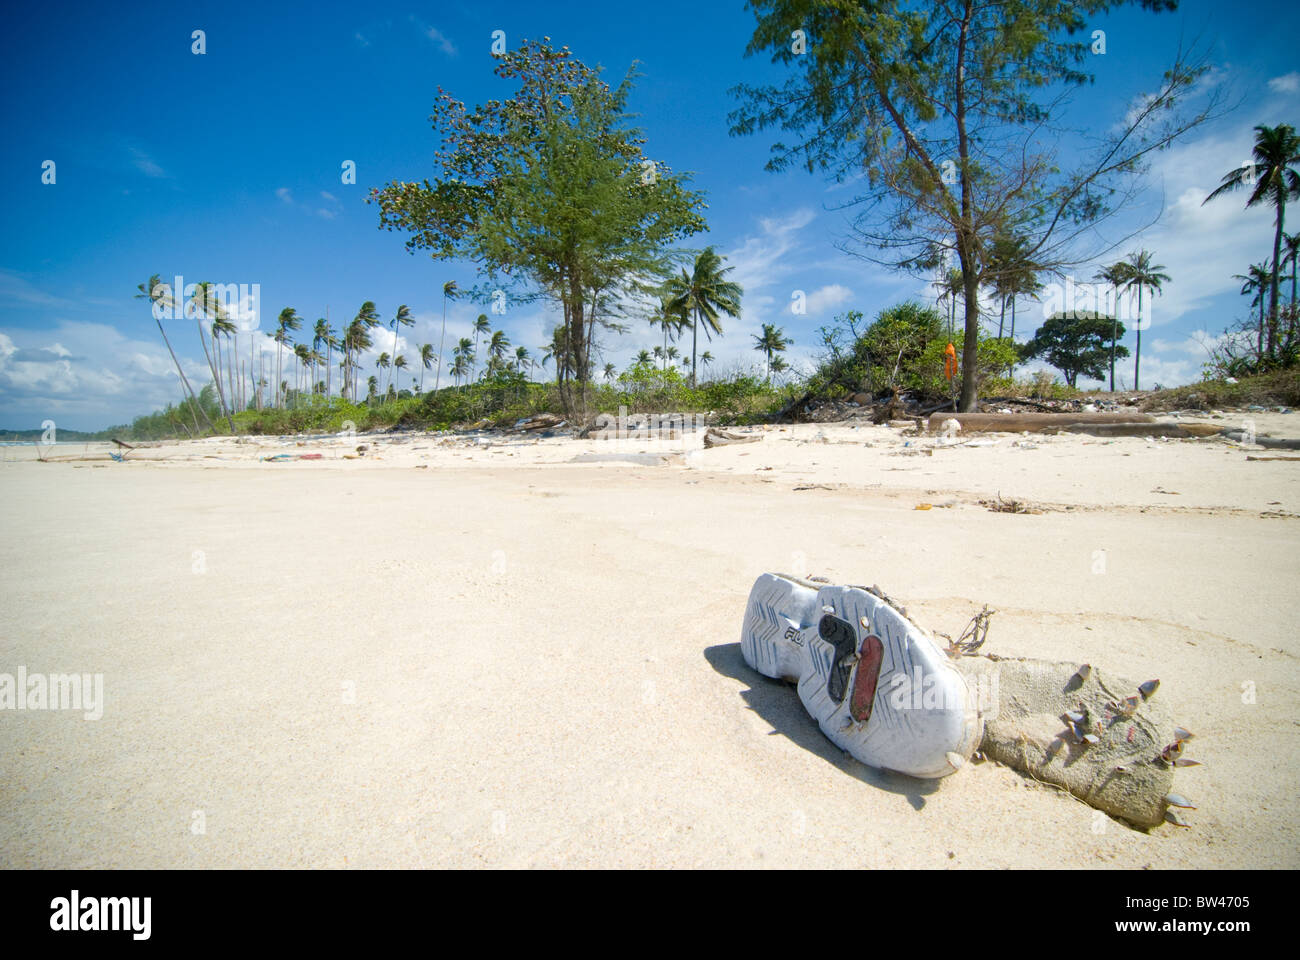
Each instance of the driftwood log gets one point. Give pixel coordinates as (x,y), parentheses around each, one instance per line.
(721,438)
(1031,422)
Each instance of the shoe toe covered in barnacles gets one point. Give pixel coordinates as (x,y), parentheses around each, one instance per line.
(877,685)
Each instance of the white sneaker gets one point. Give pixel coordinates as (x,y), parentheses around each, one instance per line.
(877,685)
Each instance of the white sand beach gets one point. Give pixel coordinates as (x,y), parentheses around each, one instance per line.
(524,652)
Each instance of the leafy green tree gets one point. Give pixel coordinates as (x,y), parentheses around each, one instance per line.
(1075,343)
(938,111)
(1274,176)
(549,187)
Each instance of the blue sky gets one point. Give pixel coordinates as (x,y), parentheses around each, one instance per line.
(226,167)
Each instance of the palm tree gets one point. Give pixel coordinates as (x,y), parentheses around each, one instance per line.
(372,383)
(403,318)
(643,358)
(670,322)
(288,320)
(1275,180)
(1140,272)
(771,342)
(383,363)
(449,292)
(324,335)
(481,325)
(1256,280)
(1292,243)
(704,295)
(459,364)
(706,361)
(1116,275)
(498,346)
(610,372)
(464,353)
(357,339)
(302,360)
(204,304)
(222,327)
(399,364)
(427,360)
(779,365)
(160,299)
(524,360)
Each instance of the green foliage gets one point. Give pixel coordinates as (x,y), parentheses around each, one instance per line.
(1075,343)
(996,355)
(549,188)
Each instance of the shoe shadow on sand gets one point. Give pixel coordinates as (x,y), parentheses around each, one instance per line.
(778,703)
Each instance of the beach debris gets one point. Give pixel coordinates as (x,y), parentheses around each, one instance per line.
(1178,800)
(1181,733)
(923,506)
(1148,689)
(972,637)
(950,428)
(1176,818)
(1084,672)
(721,438)
(1008,506)
(1186,762)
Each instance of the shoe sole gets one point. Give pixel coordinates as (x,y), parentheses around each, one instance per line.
(877,686)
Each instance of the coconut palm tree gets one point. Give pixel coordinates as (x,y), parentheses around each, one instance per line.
(325,336)
(449,292)
(302,360)
(498,346)
(1116,275)
(288,320)
(706,361)
(402,318)
(427,359)
(372,384)
(771,342)
(1140,272)
(465,352)
(643,358)
(383,363)
(481,325)
(950,287)
(357,340)
(610,372)
(671,323)
(1256,281)
(1274,179)
(204,304)
(524,360)
(399,364)
(223,328)
(459,365)
(160,300)
(704,295)
(1291,242)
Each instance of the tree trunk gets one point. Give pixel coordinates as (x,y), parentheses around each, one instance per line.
(1277,271)
(1137,354)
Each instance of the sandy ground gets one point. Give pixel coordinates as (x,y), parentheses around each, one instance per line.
(522,652)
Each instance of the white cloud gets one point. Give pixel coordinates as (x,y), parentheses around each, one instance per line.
(444,44)
(1287,83)
(285,194)
(145,163)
